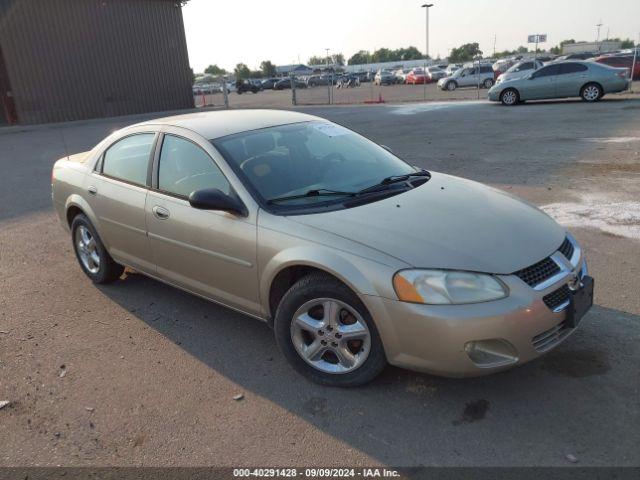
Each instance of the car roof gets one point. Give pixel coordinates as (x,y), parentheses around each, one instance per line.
(218,124)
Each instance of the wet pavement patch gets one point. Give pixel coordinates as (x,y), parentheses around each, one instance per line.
(316,406)
(576,363)
(473,412)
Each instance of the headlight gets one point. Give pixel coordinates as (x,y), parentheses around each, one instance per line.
(447,287)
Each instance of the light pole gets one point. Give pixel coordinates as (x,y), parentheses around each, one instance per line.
(598,37)
(330,82)
(426,7)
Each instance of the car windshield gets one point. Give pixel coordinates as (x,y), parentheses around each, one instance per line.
(317,156)
(519,67)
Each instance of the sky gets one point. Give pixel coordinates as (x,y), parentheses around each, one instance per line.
(288,31)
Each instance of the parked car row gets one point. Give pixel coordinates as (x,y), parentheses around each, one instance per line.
(448,77)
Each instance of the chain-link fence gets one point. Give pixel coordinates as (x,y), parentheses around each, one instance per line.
(471,83)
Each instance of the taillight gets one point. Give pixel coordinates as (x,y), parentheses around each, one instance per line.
(624,74)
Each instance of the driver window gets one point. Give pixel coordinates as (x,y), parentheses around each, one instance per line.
(546,71)
(184,168)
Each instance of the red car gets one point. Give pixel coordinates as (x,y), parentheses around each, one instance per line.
(621,61)
(417,77)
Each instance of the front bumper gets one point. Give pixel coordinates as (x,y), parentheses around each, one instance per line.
(436,338)
(494,94)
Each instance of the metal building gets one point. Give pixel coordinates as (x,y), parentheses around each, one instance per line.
(64,60)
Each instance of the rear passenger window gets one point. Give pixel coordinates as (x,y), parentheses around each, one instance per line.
(567,68)
(185,168)
(128,159)
(546,71)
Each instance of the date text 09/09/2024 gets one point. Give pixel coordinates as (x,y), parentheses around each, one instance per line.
(316,472)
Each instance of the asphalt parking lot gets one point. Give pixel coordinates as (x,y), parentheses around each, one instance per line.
(138,373)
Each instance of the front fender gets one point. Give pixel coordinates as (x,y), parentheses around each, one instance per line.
(363,276)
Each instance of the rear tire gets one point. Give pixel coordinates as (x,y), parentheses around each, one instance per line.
(488,83)
(510,97)
(308,345)
(93,258)
(591,92)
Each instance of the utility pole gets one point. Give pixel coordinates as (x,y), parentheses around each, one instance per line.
(426,7)
(495,40)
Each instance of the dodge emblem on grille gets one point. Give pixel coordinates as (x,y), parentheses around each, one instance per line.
(574,282)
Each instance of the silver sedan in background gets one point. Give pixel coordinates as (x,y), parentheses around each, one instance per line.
(587,80)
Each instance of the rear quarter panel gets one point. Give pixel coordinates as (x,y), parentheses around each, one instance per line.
(68,181)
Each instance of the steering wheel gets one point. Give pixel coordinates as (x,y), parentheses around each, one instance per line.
(333,157)
(267,158)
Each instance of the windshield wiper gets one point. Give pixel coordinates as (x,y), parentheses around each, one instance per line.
(393,179)
(322,192)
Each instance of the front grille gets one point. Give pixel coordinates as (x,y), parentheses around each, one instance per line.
(566,249)
(538,272)
(557,297)
(546,268)
(550,338)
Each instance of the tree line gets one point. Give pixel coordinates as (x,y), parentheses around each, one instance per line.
(242,71)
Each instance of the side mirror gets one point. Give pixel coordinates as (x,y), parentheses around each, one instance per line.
(214,199)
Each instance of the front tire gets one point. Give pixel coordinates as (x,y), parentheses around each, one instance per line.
(510,97)
(451,86)
(94,259)
(326,333)
(592,92)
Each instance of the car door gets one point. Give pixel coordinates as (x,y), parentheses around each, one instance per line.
(211,253)
(571,78)
(541,84)
(468,77)
(117,192)
(486,73)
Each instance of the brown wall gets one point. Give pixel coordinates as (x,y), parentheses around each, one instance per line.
(77,59)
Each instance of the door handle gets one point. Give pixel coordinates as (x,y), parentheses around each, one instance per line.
(160,212)
(92,190)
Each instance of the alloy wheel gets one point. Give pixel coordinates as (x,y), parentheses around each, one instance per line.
(509,97)
(591,93)
(330,335)
(87,249)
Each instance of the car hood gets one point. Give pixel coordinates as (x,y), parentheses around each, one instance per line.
(450,223)
(509,76)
